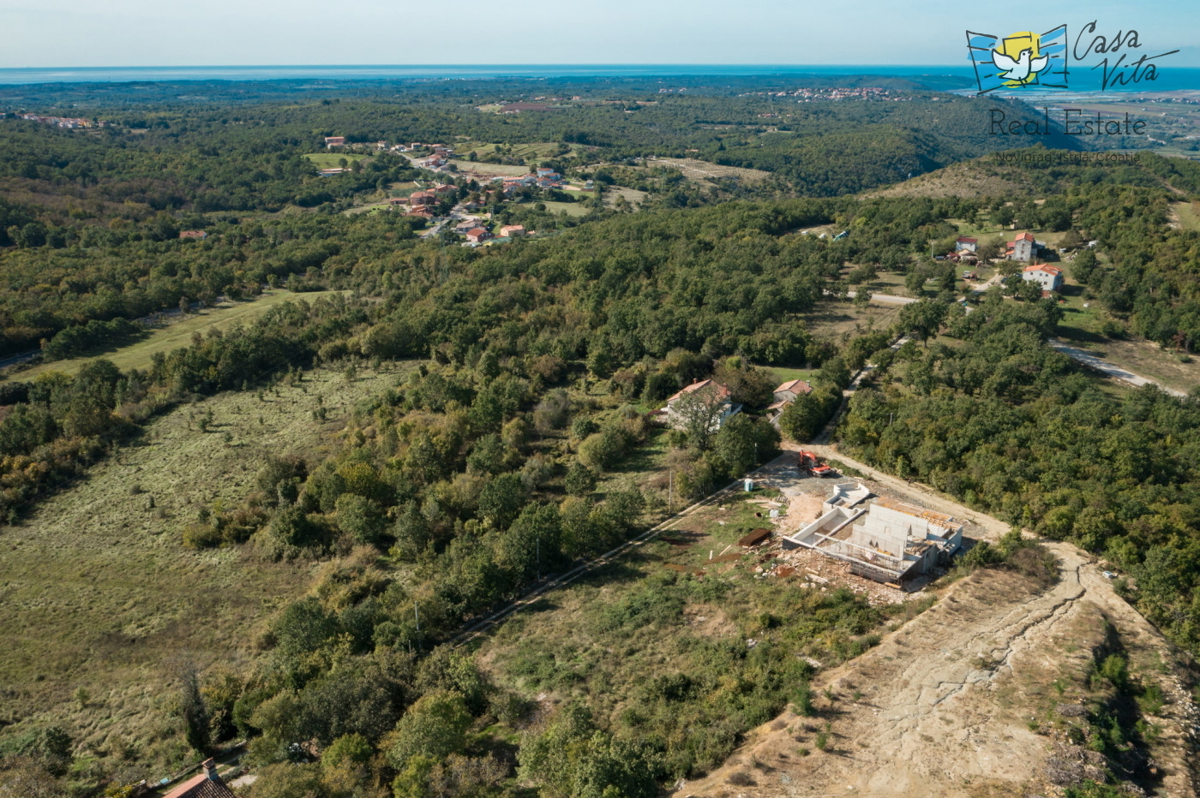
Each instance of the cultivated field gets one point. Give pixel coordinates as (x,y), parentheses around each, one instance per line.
(178,334)
(98,592)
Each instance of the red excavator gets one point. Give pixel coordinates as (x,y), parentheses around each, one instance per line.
(810,463)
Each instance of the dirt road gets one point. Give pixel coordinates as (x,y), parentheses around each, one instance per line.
(992,528)
(1103,366)
(955,702)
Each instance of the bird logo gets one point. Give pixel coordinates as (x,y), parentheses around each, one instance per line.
(1022,70)
(1019,60)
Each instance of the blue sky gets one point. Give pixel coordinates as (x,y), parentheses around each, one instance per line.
(44,33)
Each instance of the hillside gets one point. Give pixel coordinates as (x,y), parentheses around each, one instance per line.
(972,179)
(993,692)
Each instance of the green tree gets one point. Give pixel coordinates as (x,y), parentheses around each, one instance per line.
(194,712)
(435,726)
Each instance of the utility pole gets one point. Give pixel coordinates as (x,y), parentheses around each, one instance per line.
(671,491)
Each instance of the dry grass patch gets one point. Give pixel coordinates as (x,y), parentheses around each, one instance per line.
(98,591)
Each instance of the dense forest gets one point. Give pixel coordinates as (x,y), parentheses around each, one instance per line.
(531,373)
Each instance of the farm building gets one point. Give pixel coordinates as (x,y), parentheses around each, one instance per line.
(884,540)
(335,141)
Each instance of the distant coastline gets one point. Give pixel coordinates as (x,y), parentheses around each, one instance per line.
(1172,79)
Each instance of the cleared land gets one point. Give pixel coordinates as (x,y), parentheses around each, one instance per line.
(178,334)
(967,179)
(973,698)
(987,694)
(842,320)
(332,160)
(1187,214)
(703,171)
(569,208)
(99,593)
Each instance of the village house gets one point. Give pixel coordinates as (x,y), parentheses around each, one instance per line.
(205,785)
(792,390)
(785,394)
(421,212)
(1048,277)
(547,172)
(335,141)
(477,235)
(709,395)
(966,245)
(1023,248)
(422,198)
(512,230)
(198,235)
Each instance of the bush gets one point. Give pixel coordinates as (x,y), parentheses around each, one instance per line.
(580,480)
(201,536)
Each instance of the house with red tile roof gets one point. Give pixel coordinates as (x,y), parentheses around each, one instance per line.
(512,231)
(199,235)
(1024,247)
(478,234)
(785,394)
(1048,277)
(792,390)
(966,244)
(705,397)
(335,141)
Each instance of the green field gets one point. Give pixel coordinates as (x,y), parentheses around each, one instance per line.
(164,339)
(569,208)
(783,375)
(332,160)
(1188,214)
(101,595)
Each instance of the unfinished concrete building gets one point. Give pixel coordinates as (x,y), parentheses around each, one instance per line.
(884,540)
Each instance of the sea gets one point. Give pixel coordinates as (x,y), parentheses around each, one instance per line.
(1169,78)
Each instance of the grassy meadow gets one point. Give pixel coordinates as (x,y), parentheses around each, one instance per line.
(139,354)
(99,593)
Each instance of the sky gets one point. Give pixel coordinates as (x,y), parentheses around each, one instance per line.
(79,33)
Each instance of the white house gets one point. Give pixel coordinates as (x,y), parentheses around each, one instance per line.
(1048,277)
(966,245)
(701,397)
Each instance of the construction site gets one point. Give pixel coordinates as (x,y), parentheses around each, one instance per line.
(827,529)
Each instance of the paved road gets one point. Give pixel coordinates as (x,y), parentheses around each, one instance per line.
(1092,361)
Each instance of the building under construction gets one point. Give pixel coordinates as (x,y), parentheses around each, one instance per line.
(882,539)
